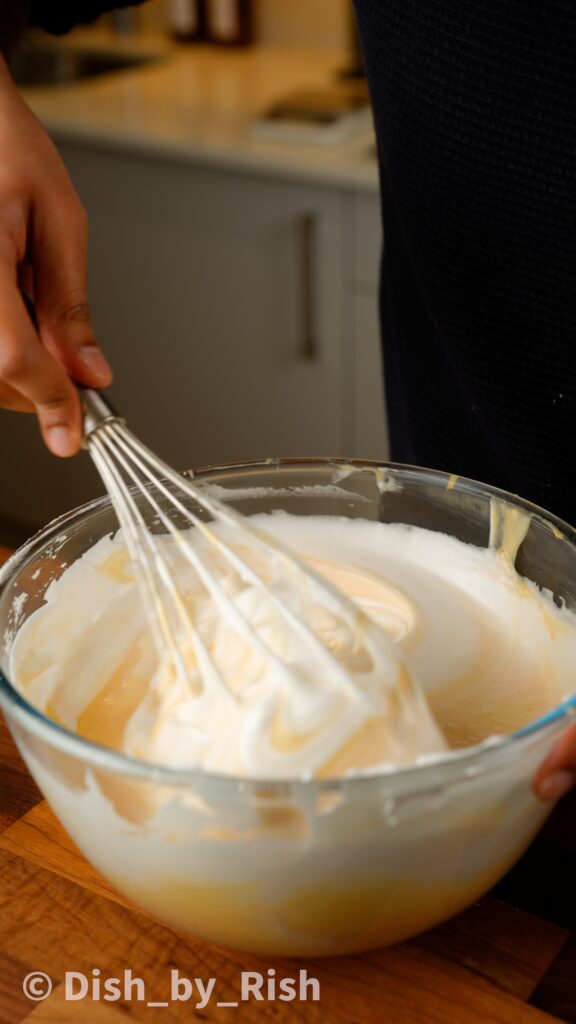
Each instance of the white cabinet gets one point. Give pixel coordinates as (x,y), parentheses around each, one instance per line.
(231,309)
(366,231)
(368,427)
(218,298)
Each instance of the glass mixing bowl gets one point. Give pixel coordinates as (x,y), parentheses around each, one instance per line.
(302,868)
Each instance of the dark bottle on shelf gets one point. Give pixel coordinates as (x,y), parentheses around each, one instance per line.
(187,20)
(230,22)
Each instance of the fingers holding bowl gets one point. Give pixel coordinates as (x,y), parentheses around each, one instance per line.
(556,775)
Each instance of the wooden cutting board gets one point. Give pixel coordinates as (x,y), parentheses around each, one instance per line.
(510,958)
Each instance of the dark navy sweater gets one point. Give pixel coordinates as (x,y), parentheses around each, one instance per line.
(475,110)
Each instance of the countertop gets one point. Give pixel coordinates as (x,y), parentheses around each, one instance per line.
(509,959)
(197,103)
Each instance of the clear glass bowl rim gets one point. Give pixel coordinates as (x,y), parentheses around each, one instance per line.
(455,767)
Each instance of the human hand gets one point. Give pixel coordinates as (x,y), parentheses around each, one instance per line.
(43,252)
(557,773)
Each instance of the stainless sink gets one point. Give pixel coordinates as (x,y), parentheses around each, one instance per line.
(50,64)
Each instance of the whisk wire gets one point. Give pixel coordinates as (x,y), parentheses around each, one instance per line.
(149,561)
(130,520)
(140,454)
(189,555)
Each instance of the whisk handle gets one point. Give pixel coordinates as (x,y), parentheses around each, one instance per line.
(97,410)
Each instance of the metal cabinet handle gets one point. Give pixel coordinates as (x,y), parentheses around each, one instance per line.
(309,348)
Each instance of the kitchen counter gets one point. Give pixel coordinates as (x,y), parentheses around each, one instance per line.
(196,103)
(509,959)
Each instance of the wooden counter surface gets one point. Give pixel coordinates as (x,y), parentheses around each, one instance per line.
(511,958)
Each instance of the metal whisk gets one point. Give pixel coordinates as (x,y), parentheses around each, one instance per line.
(174,528)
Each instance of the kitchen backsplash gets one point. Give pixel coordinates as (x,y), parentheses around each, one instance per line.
(306,23)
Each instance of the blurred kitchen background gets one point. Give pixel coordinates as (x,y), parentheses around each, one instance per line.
(235,236)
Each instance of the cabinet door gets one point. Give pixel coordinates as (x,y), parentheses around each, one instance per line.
(368,420)
(218,298)
(371,428)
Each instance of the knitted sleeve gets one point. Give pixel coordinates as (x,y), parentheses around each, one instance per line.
(475,111)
